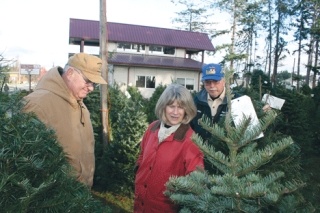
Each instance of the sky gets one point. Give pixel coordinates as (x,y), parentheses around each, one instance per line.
(37,31)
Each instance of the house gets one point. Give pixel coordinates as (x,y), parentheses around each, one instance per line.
(144,56)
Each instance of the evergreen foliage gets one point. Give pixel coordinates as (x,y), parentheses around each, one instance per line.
(297,118)
(250,176)
(92,102)
(35,175)
(114,166)
(259,81)
(136,96)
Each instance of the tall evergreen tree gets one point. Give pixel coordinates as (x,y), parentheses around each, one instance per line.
(194,18)
(315,34)
(303,13)
(249,33)
(283,9)
(235,9)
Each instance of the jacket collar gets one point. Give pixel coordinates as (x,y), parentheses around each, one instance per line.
(53,82)
(179,134)
(203,97)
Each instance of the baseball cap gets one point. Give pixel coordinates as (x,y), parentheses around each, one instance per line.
(212,72)
(89,65)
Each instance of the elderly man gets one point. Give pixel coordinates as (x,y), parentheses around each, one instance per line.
(58,102)
(211,100)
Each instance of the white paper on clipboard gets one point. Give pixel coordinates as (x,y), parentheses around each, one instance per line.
(273,101)
(242,107)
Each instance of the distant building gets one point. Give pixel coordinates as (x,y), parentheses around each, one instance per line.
(144,56)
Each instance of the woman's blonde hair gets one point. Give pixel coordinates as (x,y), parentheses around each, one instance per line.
(176,92)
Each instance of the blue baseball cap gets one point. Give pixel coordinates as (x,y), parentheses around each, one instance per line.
(212,72)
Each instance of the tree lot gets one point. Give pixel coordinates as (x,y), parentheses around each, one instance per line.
(299,119)
(27,177)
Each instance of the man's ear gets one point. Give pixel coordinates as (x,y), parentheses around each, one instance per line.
(69,72)
(68,75)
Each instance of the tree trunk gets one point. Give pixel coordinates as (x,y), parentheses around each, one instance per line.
(310,59)
(270,39)
(315,70)
(276,51)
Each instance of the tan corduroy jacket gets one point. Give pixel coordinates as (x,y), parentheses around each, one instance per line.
(55,106)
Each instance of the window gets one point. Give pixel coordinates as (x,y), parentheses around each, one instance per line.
(145,81)
(162,50)
(132,47)
(169,50)
(155,48)
(187,82)
(124,46)
(138,47)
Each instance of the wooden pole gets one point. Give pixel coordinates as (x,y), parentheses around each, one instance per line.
(104,57)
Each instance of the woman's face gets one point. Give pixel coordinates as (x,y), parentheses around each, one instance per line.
(174,113)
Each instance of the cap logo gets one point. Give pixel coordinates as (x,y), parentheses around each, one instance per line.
(211,71)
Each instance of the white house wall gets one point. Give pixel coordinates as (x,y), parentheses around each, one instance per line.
(125,76)
(112,47)
(181,53)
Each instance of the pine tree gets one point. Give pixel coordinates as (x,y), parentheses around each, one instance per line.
(251,175)
(128,123)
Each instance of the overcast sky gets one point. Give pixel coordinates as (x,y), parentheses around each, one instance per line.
(37,31)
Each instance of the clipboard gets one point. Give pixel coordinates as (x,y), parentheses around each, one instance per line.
(273,101)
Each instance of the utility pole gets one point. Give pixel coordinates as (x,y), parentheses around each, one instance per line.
(104,57)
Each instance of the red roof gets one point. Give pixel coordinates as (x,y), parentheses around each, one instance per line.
(88,31)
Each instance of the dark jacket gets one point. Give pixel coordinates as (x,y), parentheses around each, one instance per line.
(203,108)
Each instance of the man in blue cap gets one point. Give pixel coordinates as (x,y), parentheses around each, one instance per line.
(211,100)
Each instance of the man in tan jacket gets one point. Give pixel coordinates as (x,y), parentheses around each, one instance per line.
(57,101)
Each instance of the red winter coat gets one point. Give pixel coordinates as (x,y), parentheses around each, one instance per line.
(177,155)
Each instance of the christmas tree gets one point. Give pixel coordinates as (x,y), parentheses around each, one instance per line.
(34,172)
(253,173)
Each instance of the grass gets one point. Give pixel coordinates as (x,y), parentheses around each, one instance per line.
(118,203)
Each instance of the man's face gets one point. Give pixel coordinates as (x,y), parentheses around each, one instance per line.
(214,88)
(78,84)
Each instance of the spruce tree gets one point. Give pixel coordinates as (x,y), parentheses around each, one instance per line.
(253,175)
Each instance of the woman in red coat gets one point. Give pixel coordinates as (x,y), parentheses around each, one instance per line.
(166,150)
